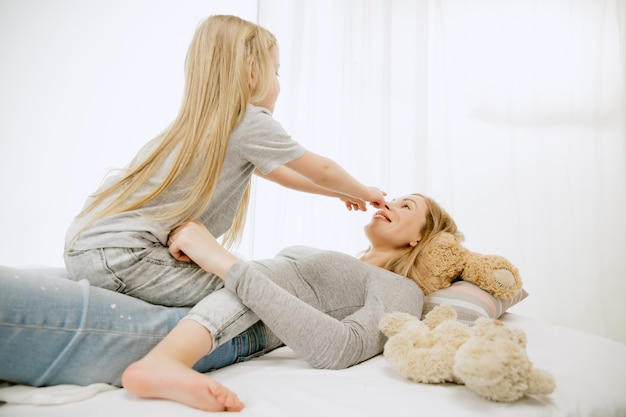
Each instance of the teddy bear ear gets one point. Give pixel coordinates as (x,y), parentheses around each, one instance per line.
(483,322)
(440,262)
(393,323)
(439,314)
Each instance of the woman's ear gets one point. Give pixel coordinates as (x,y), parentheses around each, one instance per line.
(416,241)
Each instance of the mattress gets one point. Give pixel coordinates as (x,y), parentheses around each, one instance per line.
(590,373)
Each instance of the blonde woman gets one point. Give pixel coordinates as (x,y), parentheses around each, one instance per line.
(327,313)
(199,169)
(325,305)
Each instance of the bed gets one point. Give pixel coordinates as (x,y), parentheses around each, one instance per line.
(590,373)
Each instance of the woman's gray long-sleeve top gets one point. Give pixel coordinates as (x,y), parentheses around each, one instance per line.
(326,306)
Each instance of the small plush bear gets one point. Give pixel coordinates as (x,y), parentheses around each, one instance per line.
(489,357)
(444,259)
(423,351)
(493,363)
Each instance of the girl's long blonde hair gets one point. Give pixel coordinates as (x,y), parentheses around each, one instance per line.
(407,263)
(223,56)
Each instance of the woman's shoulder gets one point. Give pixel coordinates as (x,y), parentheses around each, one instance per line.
(303,253)
(300,251)
(399,292)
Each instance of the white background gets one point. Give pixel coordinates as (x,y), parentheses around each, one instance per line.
(509,113)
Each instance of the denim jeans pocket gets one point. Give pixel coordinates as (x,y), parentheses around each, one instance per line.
(92,265)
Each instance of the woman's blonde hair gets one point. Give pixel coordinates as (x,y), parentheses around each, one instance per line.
(407,262)
(228,65)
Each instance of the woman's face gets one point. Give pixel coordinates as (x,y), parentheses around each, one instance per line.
(398,224)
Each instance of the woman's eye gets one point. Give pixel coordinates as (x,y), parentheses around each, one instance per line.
(406,206)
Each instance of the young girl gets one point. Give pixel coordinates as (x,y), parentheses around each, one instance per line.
(199,169)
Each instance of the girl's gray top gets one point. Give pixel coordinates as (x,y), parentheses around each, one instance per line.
(258,141)
(326,306)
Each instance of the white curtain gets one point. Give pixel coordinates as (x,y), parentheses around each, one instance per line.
(350,91)
(510,113)
(527,146)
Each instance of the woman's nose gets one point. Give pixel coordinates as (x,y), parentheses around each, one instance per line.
(387,206)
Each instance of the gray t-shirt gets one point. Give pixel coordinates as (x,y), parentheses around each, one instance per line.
(326,306)
(258,141)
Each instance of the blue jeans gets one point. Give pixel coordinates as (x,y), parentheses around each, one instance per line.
(57,331)
(153,275)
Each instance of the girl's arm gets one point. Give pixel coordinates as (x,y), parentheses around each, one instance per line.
(289,178)
(328,174)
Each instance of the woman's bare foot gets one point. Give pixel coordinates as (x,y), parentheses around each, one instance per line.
(166,372)
(153,377)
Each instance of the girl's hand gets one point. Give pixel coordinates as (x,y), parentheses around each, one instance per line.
(376,197)
(353,203)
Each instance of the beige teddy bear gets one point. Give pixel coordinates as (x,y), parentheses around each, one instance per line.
(423,351)
(493,363)
(444,260)
(489,358)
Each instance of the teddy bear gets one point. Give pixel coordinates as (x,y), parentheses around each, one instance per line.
(489,357)
(423,350)
(444,259)
(494,364)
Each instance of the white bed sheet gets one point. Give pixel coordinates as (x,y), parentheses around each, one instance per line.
(590,372)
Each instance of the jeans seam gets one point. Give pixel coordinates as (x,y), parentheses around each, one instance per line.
(120,282)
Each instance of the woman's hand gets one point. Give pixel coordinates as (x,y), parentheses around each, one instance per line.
(186,238)
(194,242)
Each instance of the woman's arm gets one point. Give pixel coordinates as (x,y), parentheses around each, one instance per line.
(323,341)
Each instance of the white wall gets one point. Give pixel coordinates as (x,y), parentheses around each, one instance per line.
(511,114)
(83,84)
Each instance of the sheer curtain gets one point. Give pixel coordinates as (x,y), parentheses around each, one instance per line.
(351,92)
(527,146)
(510,113)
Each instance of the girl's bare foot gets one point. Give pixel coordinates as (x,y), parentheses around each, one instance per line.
(158,377)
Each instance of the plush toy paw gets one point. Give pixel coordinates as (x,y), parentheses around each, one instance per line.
(492,273)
